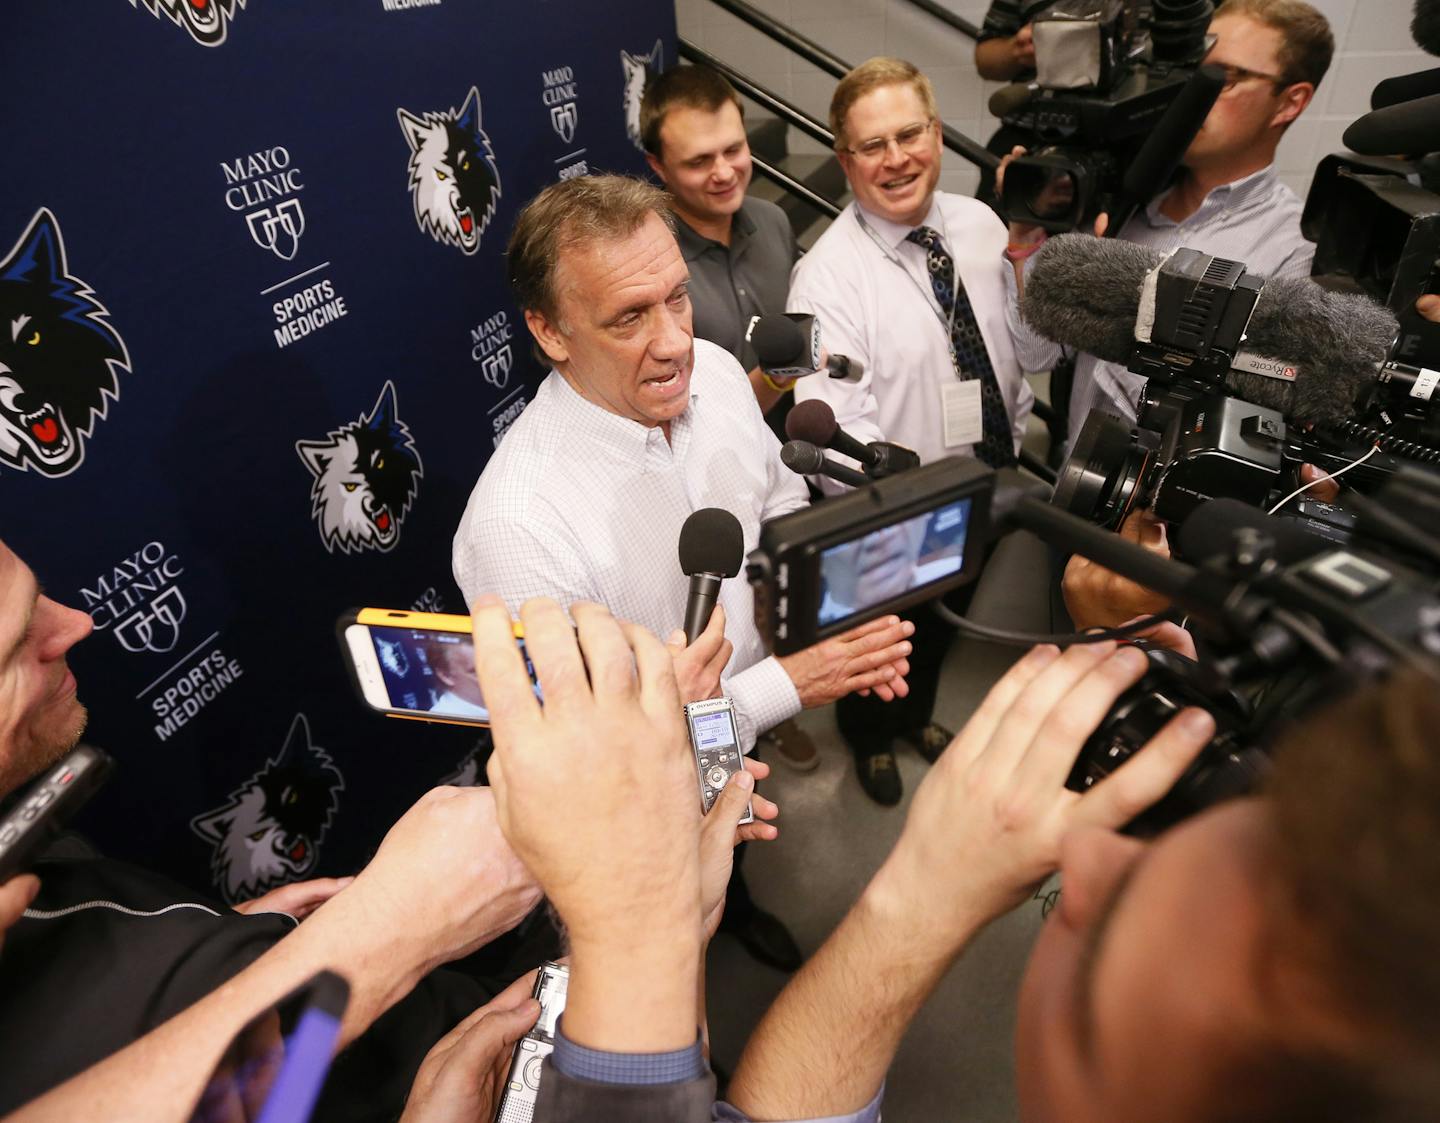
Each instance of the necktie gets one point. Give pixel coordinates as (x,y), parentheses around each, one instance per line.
(996,447)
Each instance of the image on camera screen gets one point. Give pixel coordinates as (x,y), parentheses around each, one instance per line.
(433,672)
(890,562)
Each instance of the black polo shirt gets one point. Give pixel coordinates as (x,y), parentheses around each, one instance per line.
(749,277)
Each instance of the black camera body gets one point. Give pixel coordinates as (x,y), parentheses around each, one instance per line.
(1107,73)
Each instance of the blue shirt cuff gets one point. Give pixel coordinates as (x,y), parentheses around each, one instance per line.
(600,1067)
(870,1113)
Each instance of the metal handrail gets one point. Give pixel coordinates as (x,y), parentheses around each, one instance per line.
(795,187)
(759,94)
(947,17)
(837,67)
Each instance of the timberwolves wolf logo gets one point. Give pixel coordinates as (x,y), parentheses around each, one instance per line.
(453,178)
(269,832)
(365,478)
(639,69)
(206,20)
(58,355)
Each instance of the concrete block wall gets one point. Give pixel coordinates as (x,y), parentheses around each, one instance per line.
(1372,42)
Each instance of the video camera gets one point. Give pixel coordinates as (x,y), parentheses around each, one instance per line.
(1103,108)
(1271,600)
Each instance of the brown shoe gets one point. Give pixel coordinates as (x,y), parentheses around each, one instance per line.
(792,745)
(929,742)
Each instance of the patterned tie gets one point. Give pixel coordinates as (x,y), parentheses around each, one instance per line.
(996,447)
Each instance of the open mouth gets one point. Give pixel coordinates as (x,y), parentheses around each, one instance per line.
(46,429)
(298,851)
(467,222)
(900,183)
(381,519)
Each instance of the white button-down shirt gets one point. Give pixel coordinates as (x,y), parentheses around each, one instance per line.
(579,503)
(872,293)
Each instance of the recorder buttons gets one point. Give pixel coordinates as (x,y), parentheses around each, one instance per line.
(532,1071)
(716,777)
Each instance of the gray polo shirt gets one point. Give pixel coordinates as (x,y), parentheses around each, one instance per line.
(750,277)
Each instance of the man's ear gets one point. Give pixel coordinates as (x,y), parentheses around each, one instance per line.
(1292,103)
(656,167)
(548,335)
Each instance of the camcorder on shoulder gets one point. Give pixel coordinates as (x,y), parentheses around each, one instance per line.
(1272,601)
(1108,73)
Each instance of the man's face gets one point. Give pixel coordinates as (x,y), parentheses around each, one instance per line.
(1145,976)
(40,717)
(704,161)
(897,182)
(457,672)
(1246,118)
(623,336)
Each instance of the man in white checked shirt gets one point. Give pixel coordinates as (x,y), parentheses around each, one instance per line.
(638,426)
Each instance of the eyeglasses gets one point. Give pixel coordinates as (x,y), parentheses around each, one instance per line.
(1234,75)
(910,140)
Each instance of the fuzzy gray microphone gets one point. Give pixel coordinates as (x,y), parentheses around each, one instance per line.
(1084,293)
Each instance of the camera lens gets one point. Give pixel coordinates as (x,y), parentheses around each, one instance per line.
(1053,195)
(1099,480)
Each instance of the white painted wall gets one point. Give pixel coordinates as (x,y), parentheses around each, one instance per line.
(1372,42)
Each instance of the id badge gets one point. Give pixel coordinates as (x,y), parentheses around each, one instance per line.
(960,409)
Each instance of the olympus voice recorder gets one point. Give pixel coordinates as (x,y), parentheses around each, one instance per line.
(517,1101)
(717,748)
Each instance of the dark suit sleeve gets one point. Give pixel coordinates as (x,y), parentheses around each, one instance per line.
(565,1099)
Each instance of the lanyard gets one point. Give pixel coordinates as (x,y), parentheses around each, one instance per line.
(928,297)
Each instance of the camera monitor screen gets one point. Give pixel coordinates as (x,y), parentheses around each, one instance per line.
(892,561)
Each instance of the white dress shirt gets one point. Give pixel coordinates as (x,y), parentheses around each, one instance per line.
(871,291)
(1255,220)
(579,503)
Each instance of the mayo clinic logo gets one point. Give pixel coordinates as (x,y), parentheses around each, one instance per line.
(263,186)
(560,97)
(490,346)
(138,600)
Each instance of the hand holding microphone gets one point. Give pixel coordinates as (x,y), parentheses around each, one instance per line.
(712,546)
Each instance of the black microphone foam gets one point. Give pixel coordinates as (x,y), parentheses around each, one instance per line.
(711,541)
(779,342)
(1160,155)
(812,421)
(1410,128)
(1425,26)
(1209,530)
(1008,99)
(1405,87)
(1084,293)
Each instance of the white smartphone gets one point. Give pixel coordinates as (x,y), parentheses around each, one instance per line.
(417,665)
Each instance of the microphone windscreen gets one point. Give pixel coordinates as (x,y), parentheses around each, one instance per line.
(1084,292)
(812,421)
(1410,128)
(1425,26)
(1405,87)
(711,541)
(1209,530)
(1007,99)
(1335,340)
(1163,149)
(801,457)
(779,342)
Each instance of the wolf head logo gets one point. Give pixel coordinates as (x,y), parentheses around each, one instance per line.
(453,178)
(269,831)
(639,69)
(365,474)
(58,355)
(207,21)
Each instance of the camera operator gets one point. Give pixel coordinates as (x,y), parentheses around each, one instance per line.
(1226,199)
(1005,51)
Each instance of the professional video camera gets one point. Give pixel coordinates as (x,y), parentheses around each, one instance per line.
(1117,98)
(1247,379)
(1272,599)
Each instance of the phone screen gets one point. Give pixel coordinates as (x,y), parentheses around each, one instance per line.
(892,561)
(427,671)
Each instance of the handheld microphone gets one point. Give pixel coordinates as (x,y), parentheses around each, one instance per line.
(805,459)
(1164,148)
(1085,293)
(814,421)
(1012,98)
(1409,128)
(788,346)
(712,546)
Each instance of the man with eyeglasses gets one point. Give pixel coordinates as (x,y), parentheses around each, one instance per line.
(911,281)
(1226,199)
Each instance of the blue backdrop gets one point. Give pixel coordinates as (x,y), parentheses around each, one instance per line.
(255,348)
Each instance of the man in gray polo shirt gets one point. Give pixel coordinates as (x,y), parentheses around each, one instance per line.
(739,250)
